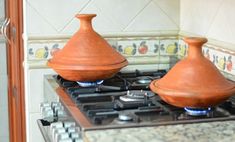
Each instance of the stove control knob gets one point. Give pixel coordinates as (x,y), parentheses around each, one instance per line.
(61,113)
(71,130)
(68,124)
(75,135)
(55,104)
(56,125)
(48,114)
(61,136)
(44,106)
(57,131)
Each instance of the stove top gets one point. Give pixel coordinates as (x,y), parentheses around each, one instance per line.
(126,100)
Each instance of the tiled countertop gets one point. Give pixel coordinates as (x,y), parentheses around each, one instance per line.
(198,132)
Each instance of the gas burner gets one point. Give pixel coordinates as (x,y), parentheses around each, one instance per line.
(136,95)
(144,80)
(197,111)
(89,84)
(125,117)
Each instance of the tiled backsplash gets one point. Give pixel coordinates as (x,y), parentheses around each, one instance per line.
(210,18)
(57,17)
(138,50)
(144,50)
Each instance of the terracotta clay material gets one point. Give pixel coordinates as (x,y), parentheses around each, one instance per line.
(87,56)
(194,82)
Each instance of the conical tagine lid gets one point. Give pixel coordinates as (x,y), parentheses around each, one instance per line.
(194,81)
(87,51)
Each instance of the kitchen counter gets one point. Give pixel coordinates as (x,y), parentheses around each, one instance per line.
(220,131)
(223,131)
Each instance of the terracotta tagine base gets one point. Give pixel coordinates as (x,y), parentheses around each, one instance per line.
(87,56)
(194,82)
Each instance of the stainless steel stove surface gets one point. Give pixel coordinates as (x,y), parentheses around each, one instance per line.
(126,100)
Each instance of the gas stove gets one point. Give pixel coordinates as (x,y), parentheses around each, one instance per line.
(126,100)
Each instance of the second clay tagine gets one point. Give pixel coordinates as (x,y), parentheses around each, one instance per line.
(87,56)
(194,82)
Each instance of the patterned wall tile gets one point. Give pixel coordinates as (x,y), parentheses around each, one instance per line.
(182,49)
(223,61)
(139,51)
(43,51)
(138,47)
(168,46)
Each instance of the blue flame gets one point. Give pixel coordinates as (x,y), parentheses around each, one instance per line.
(197,111)
(87,84)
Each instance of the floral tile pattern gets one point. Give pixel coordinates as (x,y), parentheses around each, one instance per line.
(182,49)
(223,61)
(168,46)
(43,51)
(138,47)
(143,47)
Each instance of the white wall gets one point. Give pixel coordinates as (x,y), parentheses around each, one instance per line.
(56,17)
(4,126)
(214,19)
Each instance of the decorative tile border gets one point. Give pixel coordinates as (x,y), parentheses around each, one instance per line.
(144,50)
(43,51)
(168,46)
(222,60)
(129,47)
(138,47)
(153,52)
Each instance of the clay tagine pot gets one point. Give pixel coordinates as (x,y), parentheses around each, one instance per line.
(87,56)
(194,82)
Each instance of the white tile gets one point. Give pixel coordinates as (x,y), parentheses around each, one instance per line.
(4,139)
(2,10)
(220,28)
(3,90)
(35,88)
(171,8)
(34,131)
(3,59)
(197,16)
(151,19)
(100,23)
(58,13)
(121,11)
(36,24)
(4,126)
(231,18)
